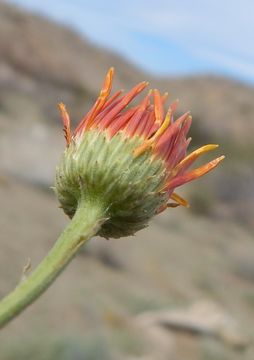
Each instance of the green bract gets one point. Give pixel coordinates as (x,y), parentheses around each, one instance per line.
(97,168)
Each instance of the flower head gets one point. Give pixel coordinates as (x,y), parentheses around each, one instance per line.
(130,159)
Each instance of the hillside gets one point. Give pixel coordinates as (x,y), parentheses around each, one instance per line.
(199,256)
(42,63)
(101,306)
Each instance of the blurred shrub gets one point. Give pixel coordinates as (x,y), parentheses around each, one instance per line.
(128,341)
(212,350)
(60,348)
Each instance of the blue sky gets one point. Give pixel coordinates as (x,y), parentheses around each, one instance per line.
(164,36)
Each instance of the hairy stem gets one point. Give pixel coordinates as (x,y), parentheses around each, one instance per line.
(85,223)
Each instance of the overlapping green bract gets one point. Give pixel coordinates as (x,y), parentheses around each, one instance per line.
(96,167)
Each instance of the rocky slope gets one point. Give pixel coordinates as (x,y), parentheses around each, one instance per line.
(105,305)
(104,291)
(42,63)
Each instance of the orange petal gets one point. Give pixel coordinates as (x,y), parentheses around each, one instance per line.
(113,97)
(121,121)
(136,122)
(150,142)
(87,121)
(158,108)
(66,122)
(188,160)
(104,93)
(179,200)
(194,174)
(122,104)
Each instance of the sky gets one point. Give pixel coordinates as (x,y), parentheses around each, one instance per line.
(165,37)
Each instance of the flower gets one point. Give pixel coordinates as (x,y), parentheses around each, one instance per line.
(130,159)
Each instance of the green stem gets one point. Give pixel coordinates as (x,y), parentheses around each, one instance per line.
(83,226)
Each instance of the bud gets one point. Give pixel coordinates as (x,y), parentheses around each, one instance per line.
(127,159)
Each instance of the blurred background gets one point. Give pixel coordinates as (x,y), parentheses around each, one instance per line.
(184,287)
